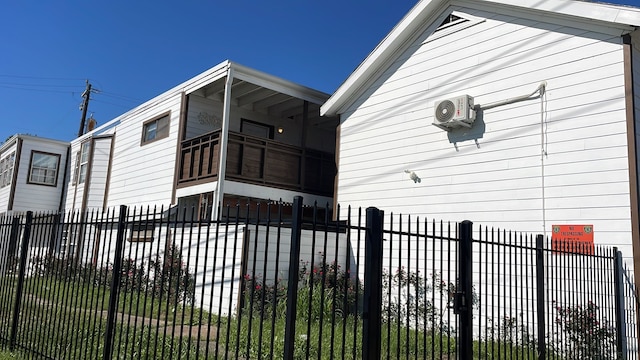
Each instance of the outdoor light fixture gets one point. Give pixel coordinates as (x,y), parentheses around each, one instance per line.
(413,176)
(280,130)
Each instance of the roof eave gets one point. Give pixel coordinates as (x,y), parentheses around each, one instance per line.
(625,18)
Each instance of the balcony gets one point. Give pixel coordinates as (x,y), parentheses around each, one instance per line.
(258,161)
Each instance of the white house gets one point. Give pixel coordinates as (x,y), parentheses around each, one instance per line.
(553,141)
(231,134)
(32,174)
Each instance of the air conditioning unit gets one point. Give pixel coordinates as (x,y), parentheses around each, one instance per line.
(455,112)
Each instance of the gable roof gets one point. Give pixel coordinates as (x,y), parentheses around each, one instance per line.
(425,12)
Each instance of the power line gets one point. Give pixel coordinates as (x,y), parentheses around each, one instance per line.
(39,77)
(39,85)
(38,90)
(121,97)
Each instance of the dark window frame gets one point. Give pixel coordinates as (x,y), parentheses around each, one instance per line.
(159,135)
(271,128)
(57,169)
(143,231)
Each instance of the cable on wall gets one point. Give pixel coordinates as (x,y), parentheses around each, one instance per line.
(538,93)
(540,90)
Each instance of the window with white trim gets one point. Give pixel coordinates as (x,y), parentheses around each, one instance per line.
(44,168)
(82,163)
(6,169)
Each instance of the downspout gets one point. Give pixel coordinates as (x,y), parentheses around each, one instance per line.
(224,141)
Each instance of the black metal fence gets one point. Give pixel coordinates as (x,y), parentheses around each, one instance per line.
(283,281)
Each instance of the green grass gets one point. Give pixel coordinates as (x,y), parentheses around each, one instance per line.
(72,319)
(5,355)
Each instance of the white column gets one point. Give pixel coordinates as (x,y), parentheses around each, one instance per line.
(218,196)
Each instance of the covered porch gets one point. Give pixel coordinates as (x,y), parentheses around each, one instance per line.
(253,128)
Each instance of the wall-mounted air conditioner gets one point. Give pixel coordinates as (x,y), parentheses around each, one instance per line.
(455,112)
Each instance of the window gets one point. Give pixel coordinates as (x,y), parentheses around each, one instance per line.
(44,168)
(205,206)
(6,169)
(255,128)
(451,20)
(82,163)
(155,129)
(142,232)
(452,23)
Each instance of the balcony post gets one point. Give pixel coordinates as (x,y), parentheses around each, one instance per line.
(303,145)
(224,141)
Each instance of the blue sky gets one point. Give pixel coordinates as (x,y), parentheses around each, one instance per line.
(132,51)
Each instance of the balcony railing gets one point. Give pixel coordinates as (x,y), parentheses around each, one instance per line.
(259,161)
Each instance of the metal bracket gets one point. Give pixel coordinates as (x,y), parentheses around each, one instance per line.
(459,304)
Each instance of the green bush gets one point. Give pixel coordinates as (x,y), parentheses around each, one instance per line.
(324,289)
(168,278)
(585,335)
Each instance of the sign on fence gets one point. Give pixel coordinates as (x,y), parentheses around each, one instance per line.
(573,238)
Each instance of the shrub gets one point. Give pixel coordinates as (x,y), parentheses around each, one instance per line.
(585,335)
(411,299)
(168,278)
(171,277)
(325,289)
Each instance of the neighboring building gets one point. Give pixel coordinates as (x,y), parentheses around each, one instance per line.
(32,174)
(231,134)
(565,154)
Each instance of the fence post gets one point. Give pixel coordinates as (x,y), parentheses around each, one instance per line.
(24,252)
(621,336)
(542,345)
(53,236)
(115,284)
(464,301)
(372,302)
(13,241)
(292,283)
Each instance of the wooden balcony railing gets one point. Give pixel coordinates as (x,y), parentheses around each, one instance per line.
(256,160)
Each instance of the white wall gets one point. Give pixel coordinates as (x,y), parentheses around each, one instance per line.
(99,172)
(144,174)
(37,197)
(499,183)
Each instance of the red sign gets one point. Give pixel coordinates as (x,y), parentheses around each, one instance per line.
(572,239)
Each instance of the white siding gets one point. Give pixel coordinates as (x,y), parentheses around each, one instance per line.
(144,174)
(215,256)
(37,197)
(99,172)
(501,182)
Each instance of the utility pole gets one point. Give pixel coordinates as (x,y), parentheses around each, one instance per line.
(85,106)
